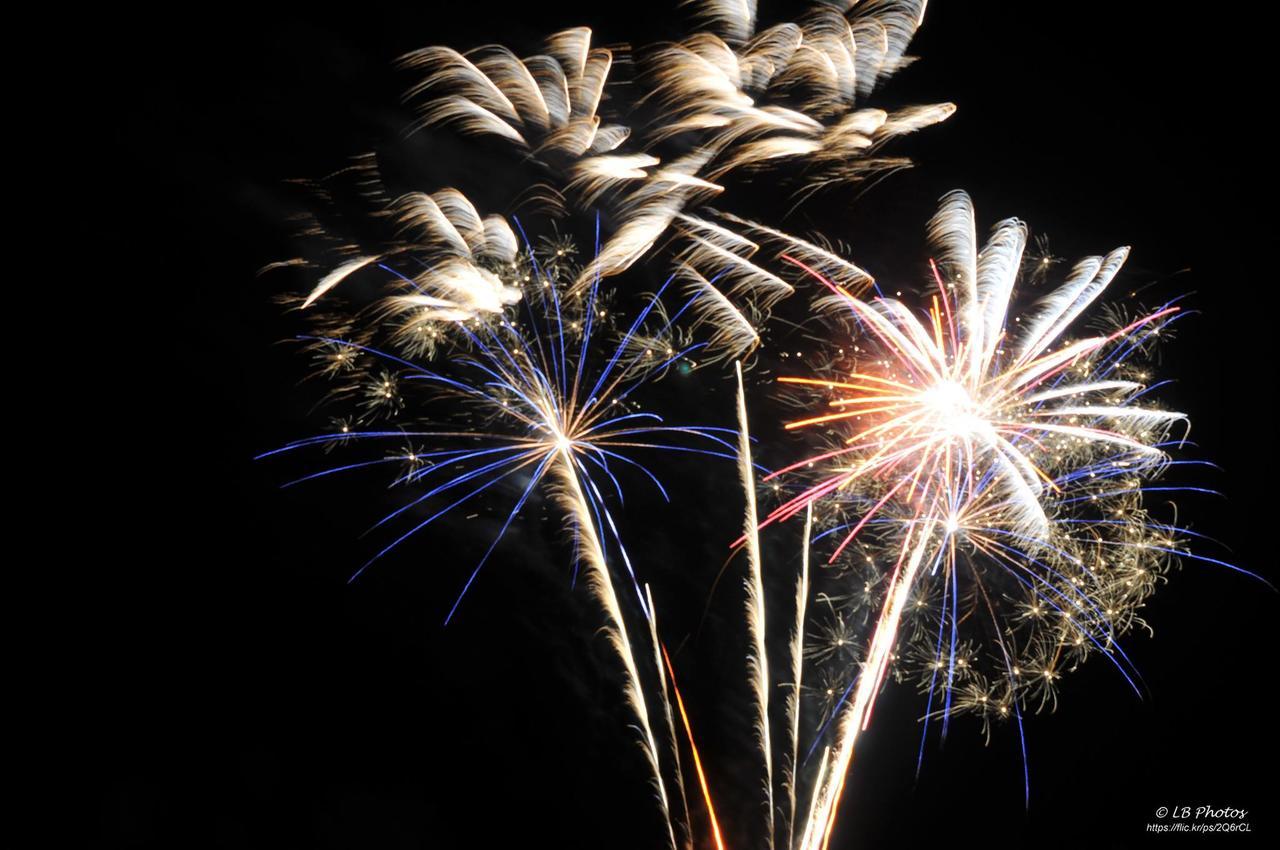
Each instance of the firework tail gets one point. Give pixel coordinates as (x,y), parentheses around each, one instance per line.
(686,826)
(697,759)
(813,802)
(797,671)
(758,660)
(598,580)
(857,713)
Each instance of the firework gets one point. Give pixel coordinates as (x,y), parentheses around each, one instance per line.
(992,470)
(758,657)
(540,394)
(722,100)
(443,256)
(982,472)
(479,360)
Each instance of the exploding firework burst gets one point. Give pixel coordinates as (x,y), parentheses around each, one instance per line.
(1000,465)
(540,396)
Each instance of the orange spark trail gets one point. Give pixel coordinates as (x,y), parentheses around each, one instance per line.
(697,760)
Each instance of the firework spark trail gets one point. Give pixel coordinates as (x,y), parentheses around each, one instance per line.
(857,714)
(758,660)
(677,773)
(811,819)
(600,582)
(697,759)
(797,673)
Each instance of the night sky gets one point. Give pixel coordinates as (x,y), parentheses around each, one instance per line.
(239,693)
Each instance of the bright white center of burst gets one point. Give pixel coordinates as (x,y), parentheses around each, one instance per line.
(563,443)
(953,525)
(953,407)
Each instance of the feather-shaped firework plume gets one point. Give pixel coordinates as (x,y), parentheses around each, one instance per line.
(723,100)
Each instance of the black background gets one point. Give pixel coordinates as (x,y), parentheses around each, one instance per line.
(238,693)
